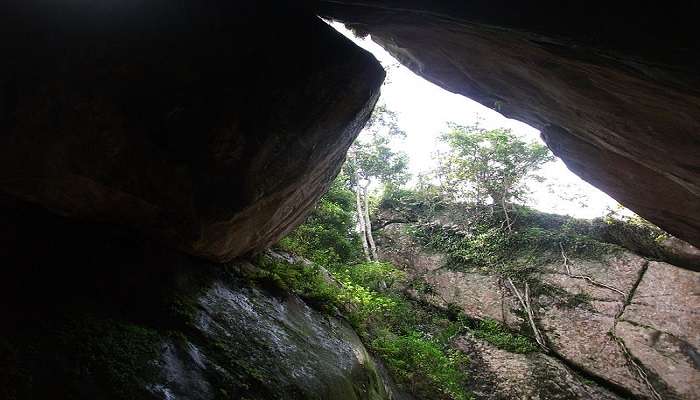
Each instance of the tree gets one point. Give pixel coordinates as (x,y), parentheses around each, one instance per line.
(493,165)
(372,160)
(328,235)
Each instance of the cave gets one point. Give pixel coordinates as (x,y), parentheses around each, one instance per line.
(146,146)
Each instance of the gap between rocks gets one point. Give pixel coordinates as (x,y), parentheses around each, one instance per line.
(636,366)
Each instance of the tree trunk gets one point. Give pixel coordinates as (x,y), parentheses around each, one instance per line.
(509,224)
(361,222)
(368,225)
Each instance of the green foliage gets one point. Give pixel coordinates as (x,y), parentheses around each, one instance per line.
(305,280)
(422,363)
(533,242)
(426,201)
(633,233)
(374,275)
(495,333)
(328,235)
(413,340)
(371,157)
(494,163)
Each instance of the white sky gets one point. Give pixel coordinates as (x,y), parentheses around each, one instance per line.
(423,110)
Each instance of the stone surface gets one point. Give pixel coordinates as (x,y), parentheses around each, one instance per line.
(581,334)
(296,352)
(613,89)
(582,337)
(479,295)
(212,126)
(125,318)
(661,328)
(402,250)
(652,307)
(499,374)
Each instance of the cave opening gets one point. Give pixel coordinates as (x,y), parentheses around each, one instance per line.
(424,111)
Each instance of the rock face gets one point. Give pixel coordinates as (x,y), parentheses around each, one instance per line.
(580,334)
(499,374)
(124,318)
(479,295)
(211,126)
(632,326)
(612,88)
(660,327)
(290,350)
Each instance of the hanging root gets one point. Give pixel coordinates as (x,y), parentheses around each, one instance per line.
(635,365)
(524,300)
(585,277)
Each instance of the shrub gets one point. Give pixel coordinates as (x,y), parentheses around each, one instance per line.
(421,364)
(374,275)
(328,236)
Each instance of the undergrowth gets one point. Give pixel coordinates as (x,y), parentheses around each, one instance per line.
(413,341)
(485,245)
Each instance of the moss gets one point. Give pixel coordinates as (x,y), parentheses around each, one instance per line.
(498,335)
(85,355)
(483,245)
(246,375)
(119,354)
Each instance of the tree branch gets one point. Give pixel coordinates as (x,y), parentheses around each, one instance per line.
(585,277)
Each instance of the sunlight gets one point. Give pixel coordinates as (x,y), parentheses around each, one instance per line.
(424,109)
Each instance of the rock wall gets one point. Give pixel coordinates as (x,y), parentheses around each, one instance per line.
(612,88)
(499,374)
(211,126)
(95,313)
(631,327)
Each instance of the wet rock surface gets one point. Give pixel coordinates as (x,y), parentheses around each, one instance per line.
(254,344)
(612,88)
(125,318)
(208,126)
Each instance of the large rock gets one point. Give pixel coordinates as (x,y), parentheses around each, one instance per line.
(660,328)
(290,350)
(212,126)
(478,294)
(499,374)
(582,333)
(90,312)
(631,314)
(613,89)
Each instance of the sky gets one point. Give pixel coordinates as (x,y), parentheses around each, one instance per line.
(424,109)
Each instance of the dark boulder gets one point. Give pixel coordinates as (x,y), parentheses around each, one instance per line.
(91,311)
(212,126)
